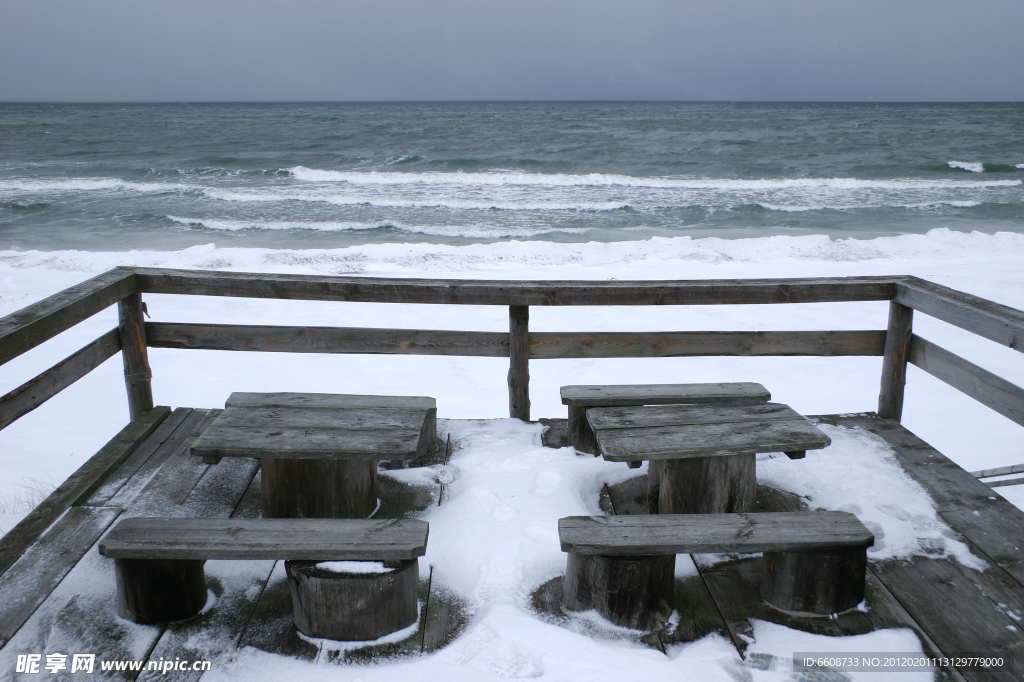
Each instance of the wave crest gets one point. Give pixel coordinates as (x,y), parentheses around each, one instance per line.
(505,178)
(87,185)
(426,202)
(470,231)
(984,166)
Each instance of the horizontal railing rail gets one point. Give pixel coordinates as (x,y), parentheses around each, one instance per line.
(554,345)
(41,388)
(898,346)
(511,292)
(326,339)
(987,388)
(980,316)
(542,345)
(24,330)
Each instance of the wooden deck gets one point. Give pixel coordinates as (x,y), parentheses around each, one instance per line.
(952,608)
(58,594)
(147,472)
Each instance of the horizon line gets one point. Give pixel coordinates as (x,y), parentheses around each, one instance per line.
(499,101)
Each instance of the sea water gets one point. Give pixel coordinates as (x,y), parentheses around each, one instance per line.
(294,176)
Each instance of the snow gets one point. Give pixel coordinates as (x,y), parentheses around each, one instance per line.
(354,567)
(494,540)
(859,474)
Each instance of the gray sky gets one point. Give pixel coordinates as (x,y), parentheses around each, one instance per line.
(268,50)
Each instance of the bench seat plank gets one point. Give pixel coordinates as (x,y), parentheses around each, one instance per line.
(300,539)
(712,533)
(304,442)
(709,440)
(731,393)
(330,401)
(675,415)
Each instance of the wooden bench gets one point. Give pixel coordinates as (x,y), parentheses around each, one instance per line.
(580,398)
(623,566)
(160,578)
(318,452)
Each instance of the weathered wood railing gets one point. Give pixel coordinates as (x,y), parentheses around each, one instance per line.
(897,344)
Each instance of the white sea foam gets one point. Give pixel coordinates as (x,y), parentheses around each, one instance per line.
(275,195)
(469,231)
(87,185)
(973,166)
(956,204)
(503,179)
(498,178)
(658,257)
(864,204)
(236,225)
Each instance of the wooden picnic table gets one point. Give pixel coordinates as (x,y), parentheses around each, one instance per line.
(318,452)
(701,456)
(580,398)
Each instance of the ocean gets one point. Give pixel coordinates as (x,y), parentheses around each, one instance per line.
(295,176)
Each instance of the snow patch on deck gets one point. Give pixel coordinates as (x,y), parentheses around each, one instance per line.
(859,474)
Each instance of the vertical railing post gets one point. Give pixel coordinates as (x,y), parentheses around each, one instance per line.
(518,360)
(894,361)
(137,374)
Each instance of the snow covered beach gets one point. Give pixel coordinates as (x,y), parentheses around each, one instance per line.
(985,265)
(504,639)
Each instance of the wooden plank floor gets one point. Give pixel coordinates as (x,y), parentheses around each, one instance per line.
(59,594)
(46,610)
(953,609)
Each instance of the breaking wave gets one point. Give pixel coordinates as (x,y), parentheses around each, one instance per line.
(425,202)
(502,178)
(87,185)
(470,231)
(984,166)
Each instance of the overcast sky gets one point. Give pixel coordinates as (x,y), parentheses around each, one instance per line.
(313,50)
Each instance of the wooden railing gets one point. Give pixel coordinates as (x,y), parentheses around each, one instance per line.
(898,345)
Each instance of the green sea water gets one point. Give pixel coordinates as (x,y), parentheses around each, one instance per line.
(168,176)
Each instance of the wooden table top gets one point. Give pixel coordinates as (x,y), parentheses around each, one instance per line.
(317,426)
(732,393)
(630,434)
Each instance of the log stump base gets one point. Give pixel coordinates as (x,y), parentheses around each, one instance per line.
(581,436)
(353,607)
(814,583)
(318,488)
(702,485)
(630,591)
(151,591)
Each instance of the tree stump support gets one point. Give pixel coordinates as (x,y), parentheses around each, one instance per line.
(702,485)
(319,488)
(630,591)
(353,607)
(151,591)
(818,583)
(581,436)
